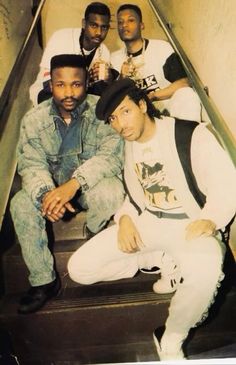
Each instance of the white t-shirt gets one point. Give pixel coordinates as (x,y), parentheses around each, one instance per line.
(150,64)
(159,191)
(63,41)
(157,68)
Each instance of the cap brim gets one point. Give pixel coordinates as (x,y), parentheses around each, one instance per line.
(112,97)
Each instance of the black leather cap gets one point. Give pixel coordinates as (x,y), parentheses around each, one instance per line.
(112,97)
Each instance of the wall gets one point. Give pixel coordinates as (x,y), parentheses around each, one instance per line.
(207,35)
(15,20)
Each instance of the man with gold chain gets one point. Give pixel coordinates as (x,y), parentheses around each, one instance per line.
(154,66)
(86,41)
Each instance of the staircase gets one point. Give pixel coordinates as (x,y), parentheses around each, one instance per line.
(102,323)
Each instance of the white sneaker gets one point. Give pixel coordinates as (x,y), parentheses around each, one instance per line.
(170,275)
(169,281)
(170,347)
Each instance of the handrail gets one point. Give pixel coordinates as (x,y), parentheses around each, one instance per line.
(8,129)
(215,117)
(11,82)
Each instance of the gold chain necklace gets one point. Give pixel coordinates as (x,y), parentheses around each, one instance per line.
(136,66)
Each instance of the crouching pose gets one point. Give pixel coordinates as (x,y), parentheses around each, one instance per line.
(180,193)
(66,156)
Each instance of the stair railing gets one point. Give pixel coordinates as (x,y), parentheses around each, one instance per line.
(215,117)
(7,97)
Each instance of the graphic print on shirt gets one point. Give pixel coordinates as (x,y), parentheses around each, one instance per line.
(149,82)
(157,189)
(143,77)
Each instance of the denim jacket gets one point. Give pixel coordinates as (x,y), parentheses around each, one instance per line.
(96,151)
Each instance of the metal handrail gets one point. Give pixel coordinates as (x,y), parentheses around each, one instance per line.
(11,81)
(215,117)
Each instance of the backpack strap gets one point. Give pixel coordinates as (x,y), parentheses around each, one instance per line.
(183,136)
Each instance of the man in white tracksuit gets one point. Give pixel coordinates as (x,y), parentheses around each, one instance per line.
(178,198)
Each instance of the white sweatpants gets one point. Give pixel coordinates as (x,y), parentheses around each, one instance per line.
(199,260)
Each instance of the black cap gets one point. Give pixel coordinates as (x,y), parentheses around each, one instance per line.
(113,96)
(67,60)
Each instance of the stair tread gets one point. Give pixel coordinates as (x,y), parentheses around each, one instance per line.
(96,295)
(81,320)
(70,229)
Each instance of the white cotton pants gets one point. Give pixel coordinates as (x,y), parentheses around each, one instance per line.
(200,261)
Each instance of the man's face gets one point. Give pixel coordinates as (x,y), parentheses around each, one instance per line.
(68,85)
(128,119)
(129,25)
(95,30)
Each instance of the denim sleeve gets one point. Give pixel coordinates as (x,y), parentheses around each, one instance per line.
(107,161)
(32,163)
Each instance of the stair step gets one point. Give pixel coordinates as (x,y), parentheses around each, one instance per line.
(72,229)
(133,290)
(105,323)
(112,314)
(115,354)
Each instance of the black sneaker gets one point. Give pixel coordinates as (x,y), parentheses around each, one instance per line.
(37,296)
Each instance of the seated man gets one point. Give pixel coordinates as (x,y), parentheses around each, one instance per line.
(155,67)
(181,188)
(87,41)
(64,153)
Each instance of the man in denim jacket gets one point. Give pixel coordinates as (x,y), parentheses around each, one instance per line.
(64,153)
